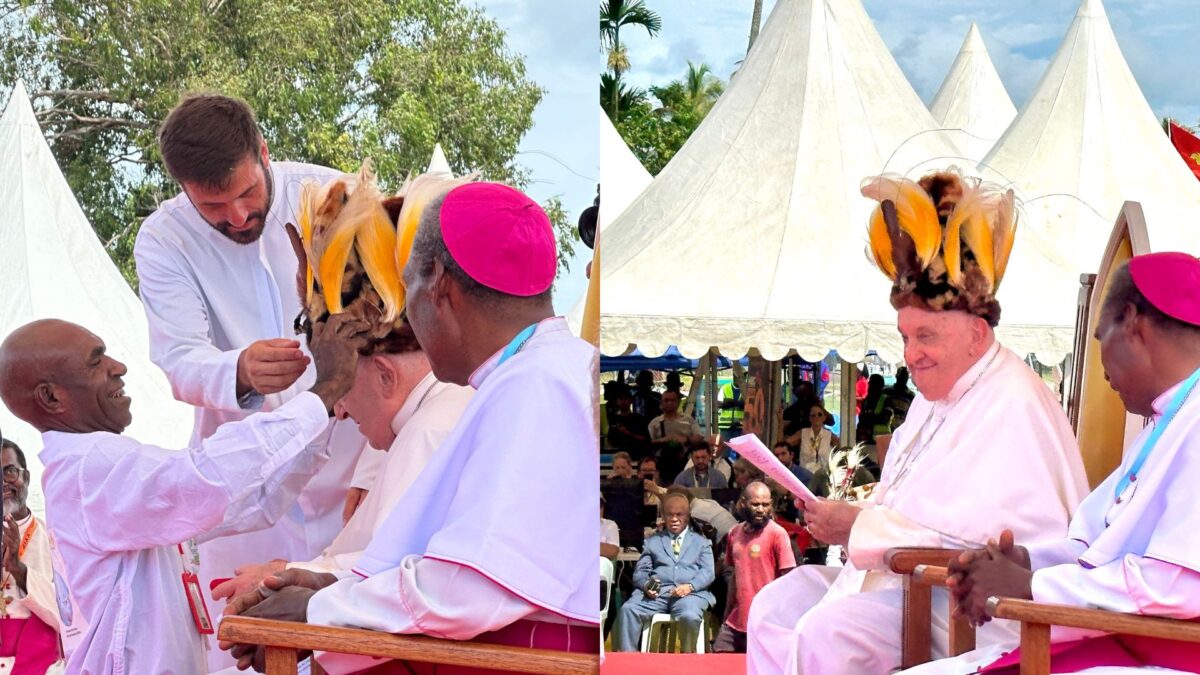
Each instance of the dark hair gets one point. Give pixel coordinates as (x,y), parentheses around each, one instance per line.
(206,136)
(1122,292)
(5,443)
(428,246)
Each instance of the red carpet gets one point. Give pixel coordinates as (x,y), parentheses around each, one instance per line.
(629,663)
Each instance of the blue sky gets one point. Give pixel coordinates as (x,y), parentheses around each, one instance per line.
(1159,38)
(559,40)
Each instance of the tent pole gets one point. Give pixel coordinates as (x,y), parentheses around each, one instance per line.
(849,380)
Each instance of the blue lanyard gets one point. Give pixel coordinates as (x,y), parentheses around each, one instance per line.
(1173,409)
(516,344)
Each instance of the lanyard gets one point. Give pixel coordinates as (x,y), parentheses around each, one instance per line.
(1176,403)
(25,539)
(517,343)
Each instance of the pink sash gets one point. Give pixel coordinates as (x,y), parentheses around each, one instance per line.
(31,641)
(1109,650)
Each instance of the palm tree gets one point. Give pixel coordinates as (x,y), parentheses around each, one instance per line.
(693,96)
(626,96)
(613,15)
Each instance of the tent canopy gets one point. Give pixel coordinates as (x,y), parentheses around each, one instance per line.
(972,100)
(753,235)
(55,267)
(1085,142)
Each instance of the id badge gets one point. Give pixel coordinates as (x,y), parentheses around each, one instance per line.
(191,588)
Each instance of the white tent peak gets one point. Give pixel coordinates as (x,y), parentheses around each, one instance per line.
(1085,142)
(972,100)
(974,41)
(753,234)
(622,176)
(438,163)
(55,267)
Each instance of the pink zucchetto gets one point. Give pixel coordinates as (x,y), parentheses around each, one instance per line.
(500,237)
(1171,282)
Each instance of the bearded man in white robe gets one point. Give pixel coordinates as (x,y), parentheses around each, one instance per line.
(985,446)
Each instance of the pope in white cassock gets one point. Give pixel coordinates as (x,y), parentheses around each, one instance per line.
(403,410)
(122,512)
(985,445)
(481,546)
(216,274)
(1131,546)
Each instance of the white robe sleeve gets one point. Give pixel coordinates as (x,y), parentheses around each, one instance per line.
(199,373)
(243,476)
(370,465)
(1133,584)
(1055,552)
(879,528)
(422,595)
(39,579)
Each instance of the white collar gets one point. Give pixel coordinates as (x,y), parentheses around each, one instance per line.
(544,327)
(413,402)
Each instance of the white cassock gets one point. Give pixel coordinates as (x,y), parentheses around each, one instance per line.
(206,299)
(38,600)
(118,509)
(421,426)
(988,457)
(482,538)
(1139,556)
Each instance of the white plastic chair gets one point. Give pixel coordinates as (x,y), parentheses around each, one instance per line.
(607,574)
(657,619)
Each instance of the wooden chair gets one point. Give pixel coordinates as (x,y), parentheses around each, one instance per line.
(922,574)
(285,639)
(921,570)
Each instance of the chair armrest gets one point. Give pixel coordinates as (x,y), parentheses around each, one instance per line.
(931,575)
(291,635)
(1028,611)
(905,560)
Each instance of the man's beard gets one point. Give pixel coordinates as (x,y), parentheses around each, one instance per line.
(14,505)
(753,523)
(251,235)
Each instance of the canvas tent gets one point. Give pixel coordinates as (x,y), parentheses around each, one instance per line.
(1085,142)
(764,201)
(972,101)
(55,267)
(622,176)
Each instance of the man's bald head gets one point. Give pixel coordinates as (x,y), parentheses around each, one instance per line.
(56,376)
(758,504)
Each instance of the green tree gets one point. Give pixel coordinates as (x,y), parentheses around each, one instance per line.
(614,15)
(656,132)
(627,97)
(692,97)
(331,83)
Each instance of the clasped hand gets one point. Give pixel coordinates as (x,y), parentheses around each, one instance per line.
(1000,569)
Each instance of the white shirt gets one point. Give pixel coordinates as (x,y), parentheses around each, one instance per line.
(814,455)
(40,600)
(421,425)
(206,299)
(118,509)
(680,425)
(549,451)
(609,532)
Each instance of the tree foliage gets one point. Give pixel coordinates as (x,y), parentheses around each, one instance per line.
(655,132)
(331,83)
(615,15)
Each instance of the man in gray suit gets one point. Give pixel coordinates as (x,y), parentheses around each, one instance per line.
(680,559)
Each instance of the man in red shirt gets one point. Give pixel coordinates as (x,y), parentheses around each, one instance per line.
(759,552)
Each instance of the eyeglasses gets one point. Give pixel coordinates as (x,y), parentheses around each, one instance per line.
(13,471)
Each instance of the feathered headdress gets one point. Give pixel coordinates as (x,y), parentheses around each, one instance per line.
(944,240)
(356,241)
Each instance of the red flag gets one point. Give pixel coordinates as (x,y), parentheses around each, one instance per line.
(1187,144)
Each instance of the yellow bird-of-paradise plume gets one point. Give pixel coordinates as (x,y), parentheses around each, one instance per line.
(917,217)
